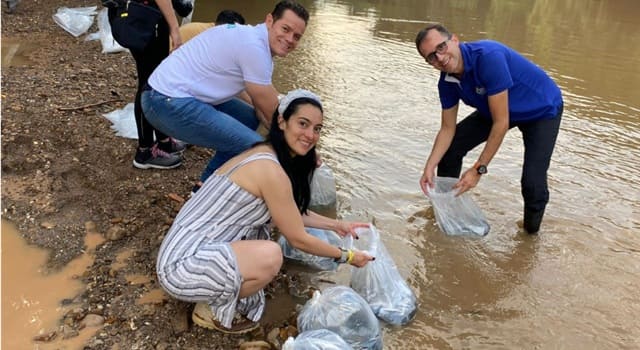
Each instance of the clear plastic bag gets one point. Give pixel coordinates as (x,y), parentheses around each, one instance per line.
(341,310)
(456,215)
(109,44)
(323,188)
(318,262)
(317,339)
(124,121)
(380,282)
(76,21)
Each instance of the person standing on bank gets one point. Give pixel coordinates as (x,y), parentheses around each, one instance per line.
(193,94)
(507,91)
(218,253)
(155,149)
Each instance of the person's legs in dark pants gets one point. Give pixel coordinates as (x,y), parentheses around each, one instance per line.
(148,154)
(470,132)
(539,141)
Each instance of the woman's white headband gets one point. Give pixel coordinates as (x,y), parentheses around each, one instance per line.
(296,94)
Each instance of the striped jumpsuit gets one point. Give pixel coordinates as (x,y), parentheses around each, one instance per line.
(196,262)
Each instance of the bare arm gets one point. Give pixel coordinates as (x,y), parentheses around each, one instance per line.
(245,97)
(170,16)
(341,227)
(265,101)
(440,146)
(499,107)
(275,189)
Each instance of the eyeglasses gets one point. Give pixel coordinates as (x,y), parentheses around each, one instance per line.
(441,48)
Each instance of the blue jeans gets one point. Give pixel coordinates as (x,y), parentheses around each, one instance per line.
(229,128)
(539,138)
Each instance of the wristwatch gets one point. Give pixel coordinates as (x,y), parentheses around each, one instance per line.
(344,255)
(481,169)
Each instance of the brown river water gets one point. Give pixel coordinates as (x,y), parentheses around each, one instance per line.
(577,284)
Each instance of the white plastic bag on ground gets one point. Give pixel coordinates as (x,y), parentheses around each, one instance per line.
(323,187)
(341,310)
(317,339)
(318,262)
(456,215)
(124,122)
(77,20)
(380,283)
(109,44)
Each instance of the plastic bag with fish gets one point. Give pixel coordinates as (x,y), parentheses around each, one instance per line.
(341,310)
(317,339)
(456,215)
(318,262)
(380,283)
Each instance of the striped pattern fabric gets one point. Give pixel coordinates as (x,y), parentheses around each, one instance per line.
(196,262)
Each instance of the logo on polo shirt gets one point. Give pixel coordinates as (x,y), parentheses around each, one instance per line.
(480,90)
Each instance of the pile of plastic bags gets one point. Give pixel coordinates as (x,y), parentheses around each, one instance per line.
(377,291)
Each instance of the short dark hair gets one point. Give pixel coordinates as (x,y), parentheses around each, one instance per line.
(229,17)
(284,5)
(423,33)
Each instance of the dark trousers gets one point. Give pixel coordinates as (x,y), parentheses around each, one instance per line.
(539,138)
(146,61)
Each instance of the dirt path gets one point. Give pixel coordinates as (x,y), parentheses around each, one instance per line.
(64,172)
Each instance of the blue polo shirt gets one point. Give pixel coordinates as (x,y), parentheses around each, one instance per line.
(491,67)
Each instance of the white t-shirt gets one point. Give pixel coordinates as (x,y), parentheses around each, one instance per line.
(214,65)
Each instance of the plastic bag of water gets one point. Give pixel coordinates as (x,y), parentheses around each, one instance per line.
(323,188)
(318,262)
(317,339)
(341,310)
(380,283)
(456,215)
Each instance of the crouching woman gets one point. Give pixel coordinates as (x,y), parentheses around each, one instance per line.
(218,254)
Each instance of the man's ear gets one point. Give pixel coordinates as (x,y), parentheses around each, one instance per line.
(269,20)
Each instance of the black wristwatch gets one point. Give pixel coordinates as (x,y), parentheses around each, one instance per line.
(481,169)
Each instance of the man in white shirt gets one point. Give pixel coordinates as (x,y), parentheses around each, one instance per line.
(192,94)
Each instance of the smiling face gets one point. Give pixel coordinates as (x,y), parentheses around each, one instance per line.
(442,52)
(302,130)
(284,33)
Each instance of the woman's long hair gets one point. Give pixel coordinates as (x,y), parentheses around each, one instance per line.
(299,168)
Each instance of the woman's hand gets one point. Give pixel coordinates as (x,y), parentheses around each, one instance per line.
(344,228)
(361,258)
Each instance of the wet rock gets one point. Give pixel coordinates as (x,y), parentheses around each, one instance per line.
(69,332)
(274,338)
(255,345)
(46,337)
(180,323)
(92,320)
(48,225)
(115,232)
(162,346)
(95,343)
(90,227)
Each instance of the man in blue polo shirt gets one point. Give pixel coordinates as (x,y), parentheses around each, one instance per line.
(507,91)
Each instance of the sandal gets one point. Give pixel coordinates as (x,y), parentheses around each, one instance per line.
(203,317)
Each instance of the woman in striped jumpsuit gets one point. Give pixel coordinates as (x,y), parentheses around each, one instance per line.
(218,254)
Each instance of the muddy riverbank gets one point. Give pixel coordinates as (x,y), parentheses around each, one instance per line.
(65,175)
